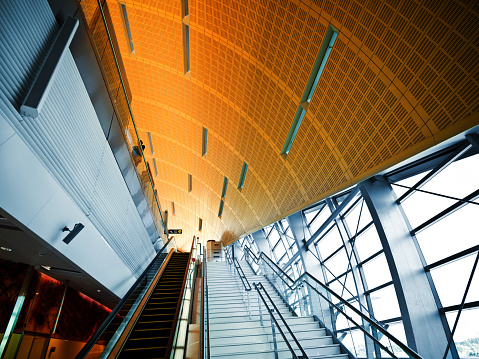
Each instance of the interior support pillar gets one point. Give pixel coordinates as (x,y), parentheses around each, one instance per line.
(262,242)
(424,330)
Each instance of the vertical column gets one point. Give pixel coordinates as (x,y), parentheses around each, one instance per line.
(262,242)
(422,323)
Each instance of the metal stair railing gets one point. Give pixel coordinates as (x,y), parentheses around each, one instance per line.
(133,297)
(272,310)
(318,298)
(241,280)
(205,317)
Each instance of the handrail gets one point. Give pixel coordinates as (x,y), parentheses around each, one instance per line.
(374,323)
(244,280)
(178,306)
(269,265)
(91,342)
(354,322)
(258,286)
(150,176)
(205,275)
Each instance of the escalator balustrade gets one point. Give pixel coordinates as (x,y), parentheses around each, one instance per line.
(150,336)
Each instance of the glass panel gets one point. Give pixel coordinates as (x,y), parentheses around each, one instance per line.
(354,341)
(451,280)
(397,330)
(337,264)
(446,182)
(385,303)
(322,217)
(452,234)
(353,217)
(273,237)
(422,206)
(368,243)
(279,250)
(466,336)
(377,271)
(311,213)
(408,182)
(328,244)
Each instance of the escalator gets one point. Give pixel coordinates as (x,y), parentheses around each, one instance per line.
(151,334)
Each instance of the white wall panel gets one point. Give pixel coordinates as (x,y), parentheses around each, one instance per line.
(67,137)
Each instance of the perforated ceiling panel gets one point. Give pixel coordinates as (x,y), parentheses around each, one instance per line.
(401,76)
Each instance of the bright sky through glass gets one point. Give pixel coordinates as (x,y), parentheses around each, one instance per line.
(454,233)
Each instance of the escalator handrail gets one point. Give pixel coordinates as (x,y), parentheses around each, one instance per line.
(259,286)
(178,306)
(370,321)
(91,342)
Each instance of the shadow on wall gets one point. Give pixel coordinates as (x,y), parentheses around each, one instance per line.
(228,237)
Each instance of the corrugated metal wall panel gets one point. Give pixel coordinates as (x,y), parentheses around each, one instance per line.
(67,136)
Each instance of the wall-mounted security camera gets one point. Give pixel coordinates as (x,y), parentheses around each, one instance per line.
(73,233)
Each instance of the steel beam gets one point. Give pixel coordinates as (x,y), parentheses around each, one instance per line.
(422,323)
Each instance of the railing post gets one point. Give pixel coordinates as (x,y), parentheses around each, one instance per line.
(249,305)
(259,307)
(273,332)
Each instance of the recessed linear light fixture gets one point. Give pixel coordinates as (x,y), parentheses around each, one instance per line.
(186,48)
(222,206)
(151,143)
(156,168)
(204,142)
(73,233)
(225,187)
(323,55)
(242,176)
(185,20)
(126,27)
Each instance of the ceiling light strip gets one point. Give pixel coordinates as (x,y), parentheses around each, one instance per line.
(244,169)
(185,19)
(151,144)
(186,48)
(225,187)
(204,142)
(322,58)
(220,212)
(156,168)
(126,26)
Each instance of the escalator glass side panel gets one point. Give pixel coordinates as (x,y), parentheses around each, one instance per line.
(150,335)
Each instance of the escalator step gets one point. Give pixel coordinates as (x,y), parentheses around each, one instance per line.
(150,335)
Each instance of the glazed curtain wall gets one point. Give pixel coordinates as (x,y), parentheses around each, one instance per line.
(364,261)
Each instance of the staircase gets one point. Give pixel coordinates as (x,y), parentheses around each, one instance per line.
(233,334)
(150,335)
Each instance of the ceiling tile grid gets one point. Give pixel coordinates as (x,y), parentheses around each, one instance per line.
(399,73)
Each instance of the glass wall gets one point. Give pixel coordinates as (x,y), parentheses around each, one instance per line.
(442,209)
(437,196)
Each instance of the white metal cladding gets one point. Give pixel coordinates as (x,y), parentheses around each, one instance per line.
(67,136)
